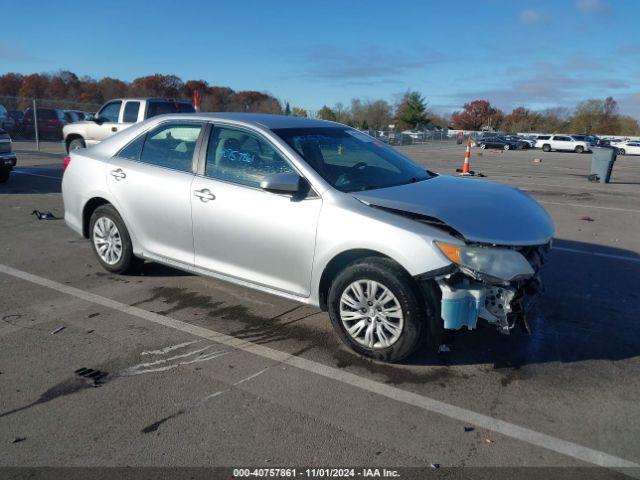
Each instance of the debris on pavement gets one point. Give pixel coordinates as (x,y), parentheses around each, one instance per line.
(537,160)
(91,374)
(44,215)
(469,429)
(18,439)
(586,218)
(59,329)
(435,466)
(488,440)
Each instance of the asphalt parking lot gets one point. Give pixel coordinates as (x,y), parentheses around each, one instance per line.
(204,373)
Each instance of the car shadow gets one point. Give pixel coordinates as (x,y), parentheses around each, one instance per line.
(589,307)
(33,180)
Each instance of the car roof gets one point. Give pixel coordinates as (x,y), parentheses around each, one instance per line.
(256,119)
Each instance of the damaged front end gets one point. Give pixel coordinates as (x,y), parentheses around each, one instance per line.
(502,297)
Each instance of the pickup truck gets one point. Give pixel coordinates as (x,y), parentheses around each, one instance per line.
(7,157)
(116,115)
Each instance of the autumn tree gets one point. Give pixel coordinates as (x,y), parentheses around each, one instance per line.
(325,113)
(520,119)
(299,112)
(476,115)
(10,84)
(156,86)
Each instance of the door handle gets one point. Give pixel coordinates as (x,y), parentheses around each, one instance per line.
(114,129)
(204,195)
(118,174)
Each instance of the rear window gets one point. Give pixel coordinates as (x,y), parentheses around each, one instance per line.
(47,114)
(162,107)
(544,137)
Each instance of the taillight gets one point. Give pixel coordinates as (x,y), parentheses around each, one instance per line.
(65,163)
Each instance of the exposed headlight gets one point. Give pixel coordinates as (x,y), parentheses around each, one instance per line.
(499,263)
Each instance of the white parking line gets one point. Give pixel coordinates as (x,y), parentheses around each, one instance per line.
(18,172)
(582,205)
(523,434)
(599,254)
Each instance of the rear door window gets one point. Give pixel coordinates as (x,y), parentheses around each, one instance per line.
(131,110)
(172,145)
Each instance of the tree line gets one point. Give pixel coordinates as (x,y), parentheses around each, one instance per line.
(410,111)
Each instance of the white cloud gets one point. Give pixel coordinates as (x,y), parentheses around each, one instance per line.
(531,16)
(592,6)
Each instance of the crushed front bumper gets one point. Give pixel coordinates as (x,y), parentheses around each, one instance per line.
(464,300)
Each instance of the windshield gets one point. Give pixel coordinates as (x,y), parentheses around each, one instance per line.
(350,160)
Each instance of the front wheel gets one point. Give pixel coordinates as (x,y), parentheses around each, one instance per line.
(546,148)
(483,146)
(378,310)
(111,241)
(579,149)
(76,143)
(621,151)
(506,147)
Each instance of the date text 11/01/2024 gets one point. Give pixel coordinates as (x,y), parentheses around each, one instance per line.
(315,473)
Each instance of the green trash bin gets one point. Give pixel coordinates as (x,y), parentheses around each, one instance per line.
(602,164)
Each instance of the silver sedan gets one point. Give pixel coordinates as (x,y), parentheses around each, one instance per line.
(316,212)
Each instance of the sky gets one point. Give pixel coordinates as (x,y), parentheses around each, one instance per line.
(536,53)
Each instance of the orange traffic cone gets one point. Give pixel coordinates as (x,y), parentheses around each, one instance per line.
(465,166)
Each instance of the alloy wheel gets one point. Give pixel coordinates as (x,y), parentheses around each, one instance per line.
(107,240)
(371,314)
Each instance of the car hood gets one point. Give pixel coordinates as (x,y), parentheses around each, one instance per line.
(481,211)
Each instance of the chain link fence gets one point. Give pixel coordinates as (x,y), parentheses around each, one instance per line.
(412,137)
(40,119)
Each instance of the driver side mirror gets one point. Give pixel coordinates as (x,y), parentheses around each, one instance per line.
(283,183)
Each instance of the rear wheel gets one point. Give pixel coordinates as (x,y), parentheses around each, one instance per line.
(579,149)
(378,310)
(111,241)
(483,146)
(76,143)
(506,147)
(546,147)
(621,151)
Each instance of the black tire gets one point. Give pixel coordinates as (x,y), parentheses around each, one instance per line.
(621,151)
(421,316)
(546,147)
(579,149)
(4,175)
(128,262)
(76,143)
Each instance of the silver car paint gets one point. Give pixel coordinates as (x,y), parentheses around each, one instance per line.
(343,222)
(482,211)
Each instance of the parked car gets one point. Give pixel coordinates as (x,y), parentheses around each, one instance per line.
(590,139)
(51,121)
(520,141)
(500,142)
(75,116)
(7,123)
(117,115)
(565,143)
(541,140)
(7,157)
(629,147)
(282,204)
